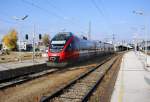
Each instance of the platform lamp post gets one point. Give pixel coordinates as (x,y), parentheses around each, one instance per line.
(19,40)
(142,14)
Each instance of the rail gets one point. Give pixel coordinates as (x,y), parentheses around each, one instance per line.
(82,87)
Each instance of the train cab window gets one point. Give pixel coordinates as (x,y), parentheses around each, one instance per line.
(59,41)
(62,36)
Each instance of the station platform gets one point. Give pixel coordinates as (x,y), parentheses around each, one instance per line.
(14,69)
(25,63)
(133,81)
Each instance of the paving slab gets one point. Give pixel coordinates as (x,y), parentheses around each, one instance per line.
(25,63)
(14,69)
(133,82)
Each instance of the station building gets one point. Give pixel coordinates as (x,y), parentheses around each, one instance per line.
(123,47)
(144,45)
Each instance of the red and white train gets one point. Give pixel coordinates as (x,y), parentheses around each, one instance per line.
(66,48)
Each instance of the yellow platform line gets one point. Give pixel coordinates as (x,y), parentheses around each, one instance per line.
(121,91)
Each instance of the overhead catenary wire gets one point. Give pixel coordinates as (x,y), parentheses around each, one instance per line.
(50,13)
(97,7)
(54,6)
(6,21)
(60,10)
(101,12)
(107,17)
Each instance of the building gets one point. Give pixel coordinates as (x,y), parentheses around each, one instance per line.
(123,46)
(144,45)
(24,46)
(40,46)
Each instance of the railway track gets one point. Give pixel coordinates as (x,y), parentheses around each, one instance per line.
(25,78)
(81,88)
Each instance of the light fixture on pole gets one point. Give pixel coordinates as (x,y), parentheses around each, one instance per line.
(146,41)
(19,38)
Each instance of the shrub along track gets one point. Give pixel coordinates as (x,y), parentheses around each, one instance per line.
(33,90)
(81,88)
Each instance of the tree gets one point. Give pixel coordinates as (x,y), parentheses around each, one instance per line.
(10,39)
(46,39)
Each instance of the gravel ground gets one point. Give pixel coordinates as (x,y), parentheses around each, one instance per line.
(32,91)
(76,92)
(105,89)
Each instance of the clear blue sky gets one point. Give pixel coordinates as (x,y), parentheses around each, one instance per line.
(51,16)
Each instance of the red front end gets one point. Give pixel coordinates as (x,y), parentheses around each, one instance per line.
(61,52)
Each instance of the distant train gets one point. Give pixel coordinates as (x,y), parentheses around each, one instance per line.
(66,48)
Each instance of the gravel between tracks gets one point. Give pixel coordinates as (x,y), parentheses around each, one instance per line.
(77,91)
(33,90)
(104,90)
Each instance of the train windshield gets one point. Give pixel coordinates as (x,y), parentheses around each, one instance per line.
(58,42)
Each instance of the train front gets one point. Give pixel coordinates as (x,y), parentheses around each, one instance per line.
(56,52)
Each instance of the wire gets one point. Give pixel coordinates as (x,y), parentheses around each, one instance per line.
(49,12)
(43,9)
(52,5)
(107,20)
(6,16)
(106,12)
(97,7)
(6,21)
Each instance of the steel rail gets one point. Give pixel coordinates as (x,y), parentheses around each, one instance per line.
(25,78)
(58,92)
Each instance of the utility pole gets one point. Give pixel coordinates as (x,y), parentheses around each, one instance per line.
(146,39)
(19,40)
(113,42)
(89,32)
(33,53)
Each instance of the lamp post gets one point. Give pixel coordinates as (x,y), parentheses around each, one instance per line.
(33,52)
(19,40)
(146,41)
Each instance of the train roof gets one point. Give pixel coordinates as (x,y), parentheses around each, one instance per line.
(65,33)
(69,34)
(62,36)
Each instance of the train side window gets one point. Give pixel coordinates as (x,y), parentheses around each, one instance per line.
(75,44)
(69,47)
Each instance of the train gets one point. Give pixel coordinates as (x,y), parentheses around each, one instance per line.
(66,48)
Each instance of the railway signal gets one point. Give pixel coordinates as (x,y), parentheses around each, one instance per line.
(26,37)
(40,36)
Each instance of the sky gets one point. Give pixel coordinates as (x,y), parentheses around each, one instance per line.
(107,17)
